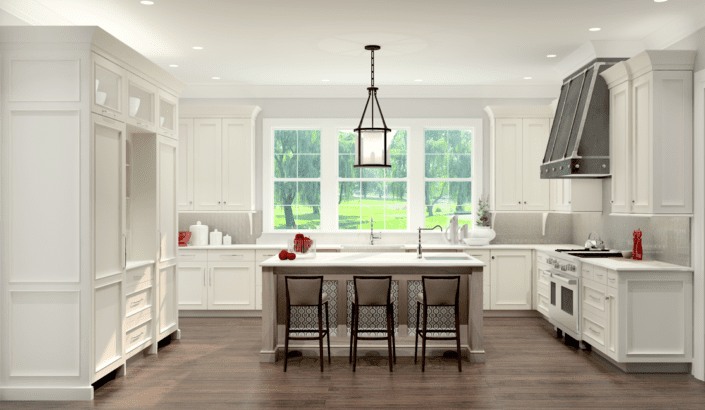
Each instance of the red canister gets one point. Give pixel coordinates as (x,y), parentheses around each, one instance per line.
(637,251)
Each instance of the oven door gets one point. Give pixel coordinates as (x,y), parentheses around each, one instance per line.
(564,303)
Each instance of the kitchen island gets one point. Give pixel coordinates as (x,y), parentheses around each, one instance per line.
(338,270)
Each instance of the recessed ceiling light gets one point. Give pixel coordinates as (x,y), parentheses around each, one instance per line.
(198,48)
(173,65)
(147,3)
(418,79)
(595,29)
(551,56)
(527,78)
(325,80)
(216,78)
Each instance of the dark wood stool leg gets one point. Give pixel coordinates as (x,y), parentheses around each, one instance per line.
(416,346)
(389,341)
(423,338)
(320,334)
(352,332)
(356,313)
(328,331)
(457,339)
(394,340)
(286,339)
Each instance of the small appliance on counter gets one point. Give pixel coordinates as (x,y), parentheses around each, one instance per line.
(216,238)
(184,237)
(199,234)
(227,240)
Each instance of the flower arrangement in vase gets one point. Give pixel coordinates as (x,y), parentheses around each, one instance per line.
(482,233)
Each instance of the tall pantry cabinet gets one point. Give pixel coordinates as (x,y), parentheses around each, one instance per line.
(88,209)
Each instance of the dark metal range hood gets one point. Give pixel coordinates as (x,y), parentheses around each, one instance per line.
(578,146)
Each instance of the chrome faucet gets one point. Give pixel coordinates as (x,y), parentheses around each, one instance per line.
(419,252)
(372,233)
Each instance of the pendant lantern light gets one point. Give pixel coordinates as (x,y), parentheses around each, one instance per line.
(372,144)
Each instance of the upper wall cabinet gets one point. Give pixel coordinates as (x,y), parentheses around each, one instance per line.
(141,103)
(109,81)
(651,133)
(518,139)
(216,158)
(168,107)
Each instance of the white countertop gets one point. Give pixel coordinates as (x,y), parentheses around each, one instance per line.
(367,259)
(630,265)
(253,246)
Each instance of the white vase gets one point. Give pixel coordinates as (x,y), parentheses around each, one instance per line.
(480,236)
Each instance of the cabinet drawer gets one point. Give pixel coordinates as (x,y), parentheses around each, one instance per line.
(139,275)
(138,300)
(588,271)
(264,255)
(483,256)
(542,258)
(137,335)
(542,304)
(594,331)
(231,256)
(612,279)
(599,275)
(594,297)
(186,255)
(543,289)
(543,277)
(138,318)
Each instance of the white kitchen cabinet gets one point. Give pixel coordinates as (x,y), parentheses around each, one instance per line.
(484,256)
(217,280)
(511,279)
(185,171)
(68,107)
(220,167)
(168,221)
(141,102)
(519,136)
(207,164)
(651,133)
(638,317)
(168,118)
(576,195)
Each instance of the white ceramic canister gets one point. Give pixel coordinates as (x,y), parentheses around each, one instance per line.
(227,240)
(199,234)
(216,238)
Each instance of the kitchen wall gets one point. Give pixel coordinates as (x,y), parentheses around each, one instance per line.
(695,41)
(665,239)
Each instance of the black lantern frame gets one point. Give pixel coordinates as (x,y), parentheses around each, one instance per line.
(372,96)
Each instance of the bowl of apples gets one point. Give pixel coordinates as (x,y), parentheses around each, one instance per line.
(302,246)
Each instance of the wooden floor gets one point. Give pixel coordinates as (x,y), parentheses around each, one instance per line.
(216,366)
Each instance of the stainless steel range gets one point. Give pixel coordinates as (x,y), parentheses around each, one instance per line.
(564,307)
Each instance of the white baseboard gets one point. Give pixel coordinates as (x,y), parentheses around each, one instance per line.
(79,393)
(220,313)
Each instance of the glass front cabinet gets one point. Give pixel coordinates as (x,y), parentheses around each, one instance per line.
(141,103)
(108,97)
(168,115)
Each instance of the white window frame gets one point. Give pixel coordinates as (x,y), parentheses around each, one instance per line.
(416,157)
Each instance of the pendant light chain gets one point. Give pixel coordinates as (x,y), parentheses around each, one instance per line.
(373,68)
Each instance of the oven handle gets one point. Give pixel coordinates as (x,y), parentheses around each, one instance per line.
(562,278)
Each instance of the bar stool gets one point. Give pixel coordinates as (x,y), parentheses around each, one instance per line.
(306,291)
(437,291)
(372,291)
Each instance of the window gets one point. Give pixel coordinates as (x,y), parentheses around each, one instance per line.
(448,176)
(297,179)
(309,181)
(366,193)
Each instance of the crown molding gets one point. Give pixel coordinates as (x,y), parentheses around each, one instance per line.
(676,30)
(385,91)
(591,50)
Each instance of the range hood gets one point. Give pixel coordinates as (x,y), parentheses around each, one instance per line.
(578,146)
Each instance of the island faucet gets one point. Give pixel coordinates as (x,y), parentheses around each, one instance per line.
(372,233)
(419,252)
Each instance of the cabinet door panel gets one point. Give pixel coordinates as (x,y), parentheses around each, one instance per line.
(237,160)
(642,154)
(511,280)
(207,164)
(109,196)
(534,140)
(612,323)
(508,164)
(166,185)
(231,286)
(185,177)
(109,82)
(168,302)
(192,287)
(620,129)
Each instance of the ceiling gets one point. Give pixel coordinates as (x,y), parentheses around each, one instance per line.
(303,42)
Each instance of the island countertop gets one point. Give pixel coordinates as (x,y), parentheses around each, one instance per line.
(366,259)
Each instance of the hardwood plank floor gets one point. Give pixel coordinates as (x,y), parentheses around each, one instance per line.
(216,366)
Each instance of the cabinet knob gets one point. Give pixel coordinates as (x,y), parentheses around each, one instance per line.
(611,202)
(524,202)
(218,202)
(190,202)
(633,201)
(519,202)
(493,257)
(225,202)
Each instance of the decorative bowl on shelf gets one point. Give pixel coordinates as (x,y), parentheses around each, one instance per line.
(100,97)
(134,106)
(480,236)
(184,238)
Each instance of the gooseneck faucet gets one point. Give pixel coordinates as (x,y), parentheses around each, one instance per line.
(419,252)
(372,232)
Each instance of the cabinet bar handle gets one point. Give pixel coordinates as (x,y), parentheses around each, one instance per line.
(612,279)
(204,278)
(594,331)
(137,276)
(135,303)
(593,297)
(136,337)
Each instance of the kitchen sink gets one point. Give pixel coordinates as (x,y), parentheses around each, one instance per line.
(447,258)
